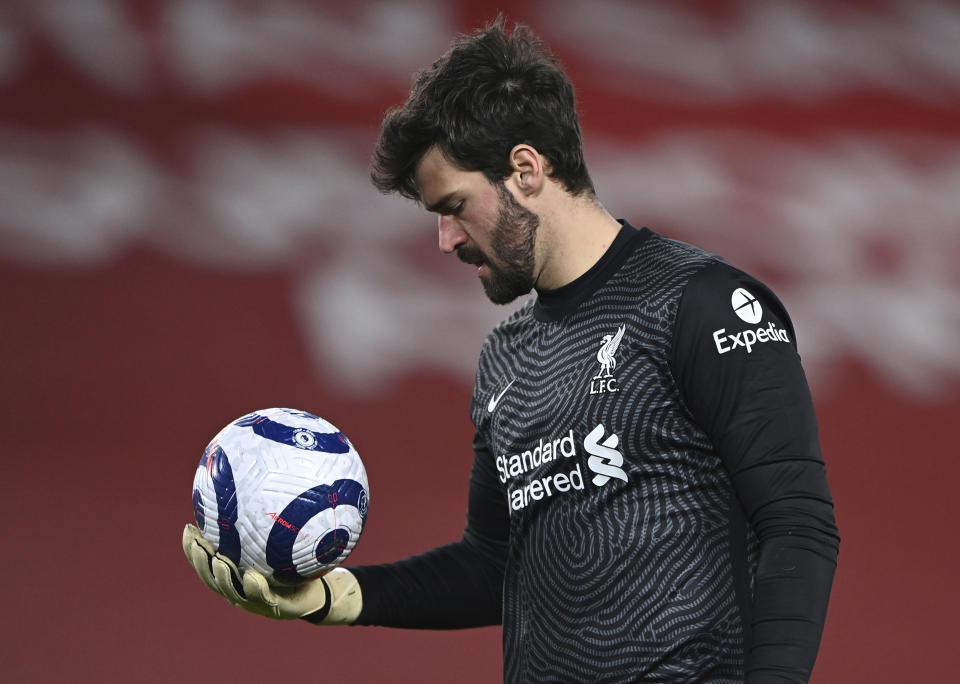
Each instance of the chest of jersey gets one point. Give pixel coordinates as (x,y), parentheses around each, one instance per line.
(570,410)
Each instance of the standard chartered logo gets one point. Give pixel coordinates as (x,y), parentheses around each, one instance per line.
(605,461)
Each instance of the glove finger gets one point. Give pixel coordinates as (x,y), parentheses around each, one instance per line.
(191,535)
(257,590)
(190,532)
(201,563)
(227,578)
(196,550)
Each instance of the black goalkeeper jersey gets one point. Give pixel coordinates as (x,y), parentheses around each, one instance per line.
(648,500)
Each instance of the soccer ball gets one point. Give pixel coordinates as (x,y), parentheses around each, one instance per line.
(282,492)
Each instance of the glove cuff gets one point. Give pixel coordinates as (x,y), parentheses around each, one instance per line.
(343,599)
(318,616)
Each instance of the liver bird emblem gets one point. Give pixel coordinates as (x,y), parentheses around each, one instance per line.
(607,354)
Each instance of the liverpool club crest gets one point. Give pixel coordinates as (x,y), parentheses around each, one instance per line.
(607,358)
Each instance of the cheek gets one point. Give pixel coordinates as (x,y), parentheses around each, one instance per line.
(480,229)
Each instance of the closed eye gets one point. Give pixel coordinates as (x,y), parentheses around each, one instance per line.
(452,210)
(446,205)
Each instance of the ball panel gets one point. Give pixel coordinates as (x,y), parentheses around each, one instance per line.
(331,545)
(284,534)
(198,510)
(225,489)
(301,437)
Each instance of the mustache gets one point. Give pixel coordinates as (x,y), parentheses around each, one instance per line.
(470,255)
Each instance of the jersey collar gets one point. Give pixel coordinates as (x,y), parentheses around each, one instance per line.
(555,305)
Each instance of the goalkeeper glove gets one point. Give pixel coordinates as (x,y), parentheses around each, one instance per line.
(333,599)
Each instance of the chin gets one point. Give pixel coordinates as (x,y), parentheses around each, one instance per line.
(503,295)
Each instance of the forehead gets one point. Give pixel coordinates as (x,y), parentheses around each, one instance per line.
(436,177)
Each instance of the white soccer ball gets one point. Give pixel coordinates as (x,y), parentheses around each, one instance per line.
(282,492)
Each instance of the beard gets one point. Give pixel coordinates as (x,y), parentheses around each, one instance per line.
(513,241)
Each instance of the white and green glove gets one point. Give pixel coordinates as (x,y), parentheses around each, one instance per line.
(334,599)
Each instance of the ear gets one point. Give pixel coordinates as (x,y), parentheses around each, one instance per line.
(529,172)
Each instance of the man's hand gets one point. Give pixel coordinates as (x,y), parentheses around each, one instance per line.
(332,599)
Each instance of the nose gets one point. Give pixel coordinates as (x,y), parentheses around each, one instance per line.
(451,234)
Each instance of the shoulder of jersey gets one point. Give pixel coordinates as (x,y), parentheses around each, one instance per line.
(739,311)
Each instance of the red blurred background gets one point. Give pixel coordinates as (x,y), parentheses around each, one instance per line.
(187,233)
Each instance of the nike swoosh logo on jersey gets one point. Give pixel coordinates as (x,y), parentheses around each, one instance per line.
(496,400)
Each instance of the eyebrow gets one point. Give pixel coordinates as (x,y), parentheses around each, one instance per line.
(441,204)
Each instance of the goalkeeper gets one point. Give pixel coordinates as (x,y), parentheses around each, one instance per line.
(648,500)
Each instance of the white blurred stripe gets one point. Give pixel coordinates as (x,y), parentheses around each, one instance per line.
(860,232)
(798,50)
(651,51)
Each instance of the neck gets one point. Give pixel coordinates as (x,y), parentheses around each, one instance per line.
(572,237)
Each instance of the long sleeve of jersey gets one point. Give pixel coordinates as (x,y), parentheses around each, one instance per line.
(454,586)
(735,360)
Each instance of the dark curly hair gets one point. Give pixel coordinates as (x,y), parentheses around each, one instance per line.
(490,91)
